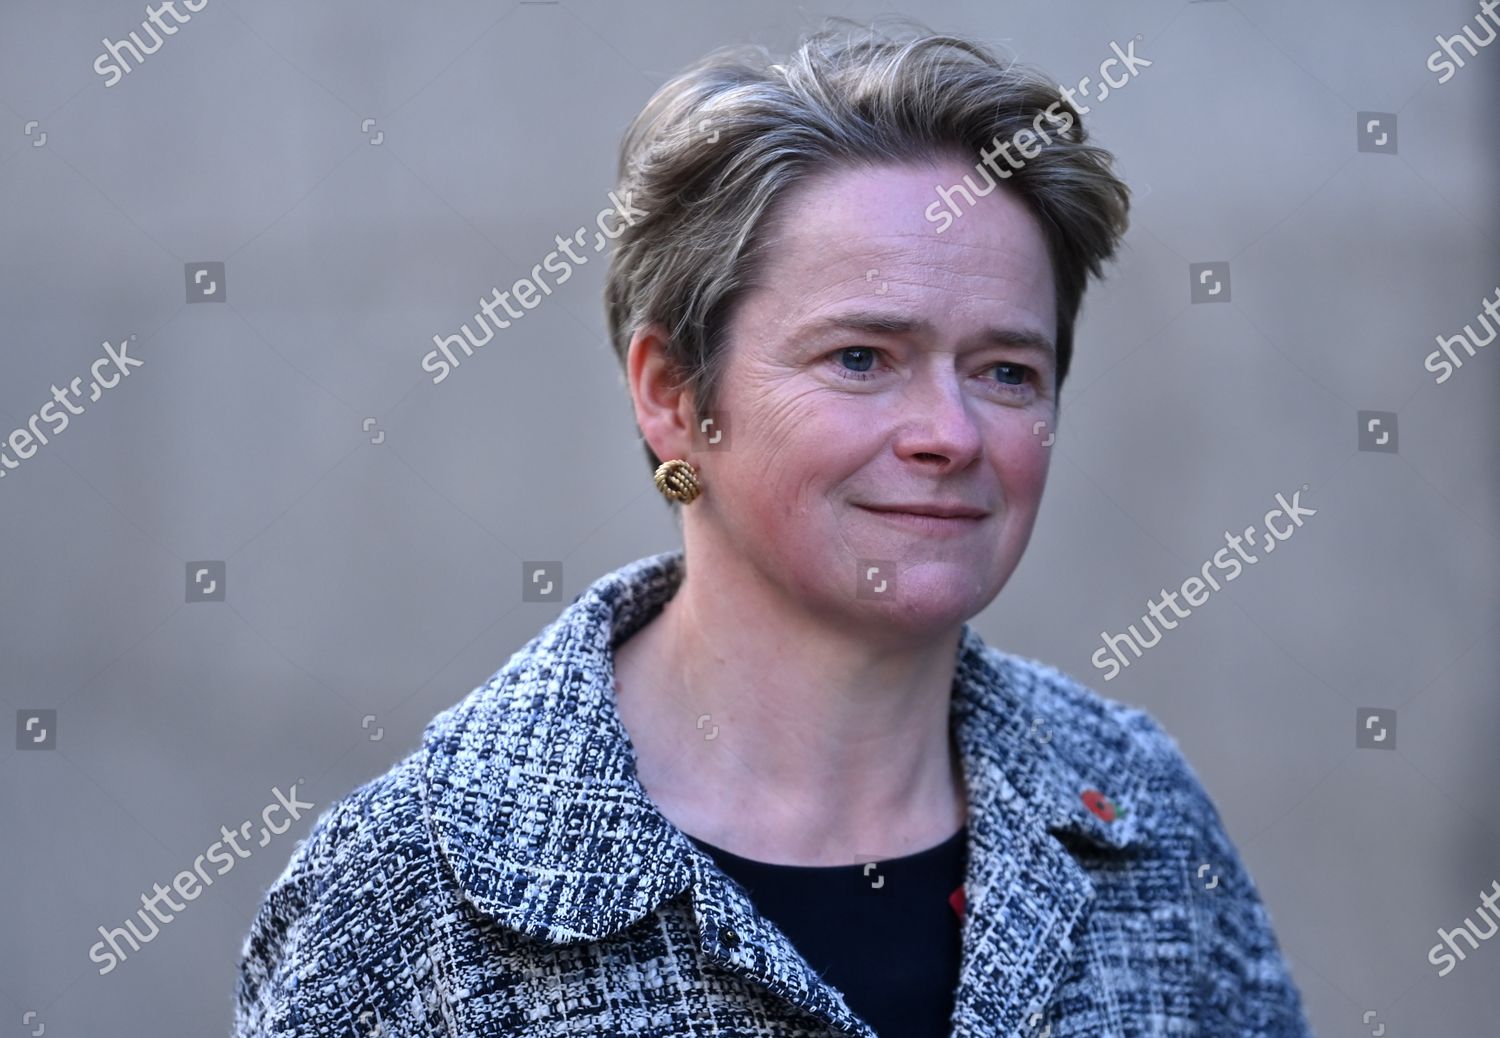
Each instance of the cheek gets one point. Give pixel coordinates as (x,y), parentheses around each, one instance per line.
(789,439)
(777,466)
(1023,463)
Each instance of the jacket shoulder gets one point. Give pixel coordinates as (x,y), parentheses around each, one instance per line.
(1115,742)
(1244,985)
(331,945)
(1087,730)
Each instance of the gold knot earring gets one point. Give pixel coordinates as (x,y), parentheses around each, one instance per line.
(678,481)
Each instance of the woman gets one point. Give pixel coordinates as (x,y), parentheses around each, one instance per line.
(794,793)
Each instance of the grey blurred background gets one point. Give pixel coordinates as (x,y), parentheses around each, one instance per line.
(373,526)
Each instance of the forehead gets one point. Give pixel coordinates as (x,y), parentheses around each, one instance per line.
(864,232)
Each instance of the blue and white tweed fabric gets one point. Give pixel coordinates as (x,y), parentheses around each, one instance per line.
(512,877)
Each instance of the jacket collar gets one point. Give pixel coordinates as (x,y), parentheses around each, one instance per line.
(530,789)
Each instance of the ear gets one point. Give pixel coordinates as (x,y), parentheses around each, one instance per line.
(663,407)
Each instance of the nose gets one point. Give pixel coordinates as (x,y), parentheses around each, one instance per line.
(937,426)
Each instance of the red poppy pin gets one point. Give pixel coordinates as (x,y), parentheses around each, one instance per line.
(1101,805)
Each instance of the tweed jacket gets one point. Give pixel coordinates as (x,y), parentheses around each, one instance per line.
(512,877)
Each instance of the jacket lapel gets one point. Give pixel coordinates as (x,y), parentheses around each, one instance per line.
(759,950)
(1026,895)
(531,784)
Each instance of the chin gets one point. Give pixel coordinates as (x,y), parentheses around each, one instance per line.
(939,595)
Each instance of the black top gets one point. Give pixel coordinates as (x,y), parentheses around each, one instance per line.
(887,935)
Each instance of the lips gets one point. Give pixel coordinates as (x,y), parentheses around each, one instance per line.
(938,511)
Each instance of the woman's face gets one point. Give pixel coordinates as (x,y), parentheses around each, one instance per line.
(881,364)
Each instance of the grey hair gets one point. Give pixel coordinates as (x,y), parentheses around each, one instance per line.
(716,147)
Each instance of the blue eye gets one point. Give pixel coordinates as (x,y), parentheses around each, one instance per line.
(864,358)
(1019,371)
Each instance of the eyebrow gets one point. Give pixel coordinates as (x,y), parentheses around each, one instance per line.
(876,322)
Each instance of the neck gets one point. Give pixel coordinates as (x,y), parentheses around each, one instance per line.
(783,735)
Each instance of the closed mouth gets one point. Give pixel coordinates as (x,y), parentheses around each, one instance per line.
(931,512)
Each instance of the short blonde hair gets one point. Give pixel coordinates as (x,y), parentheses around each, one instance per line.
(716,147)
